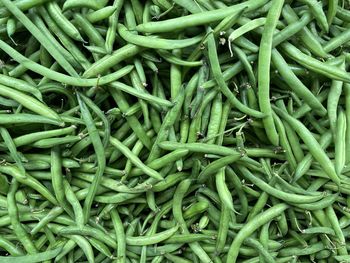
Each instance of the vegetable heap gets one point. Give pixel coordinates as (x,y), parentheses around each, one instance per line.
(174,131)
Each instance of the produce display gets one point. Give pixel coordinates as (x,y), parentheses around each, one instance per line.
(174,131)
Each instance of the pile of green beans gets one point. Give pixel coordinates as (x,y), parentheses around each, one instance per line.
(174,131)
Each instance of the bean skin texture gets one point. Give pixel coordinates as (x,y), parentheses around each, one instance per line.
(174,131)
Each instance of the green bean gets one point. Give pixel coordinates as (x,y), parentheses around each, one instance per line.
(215,67)
(136,151)
(337,229)
(62,36)
(35,136)
(342,13)
(155,43)
(284,141)
(98,245)
(20,85)
(70,119)
(337,41)
(140,72)
(39,257)
(293,188)
(137,9)
(111,60)
(332,11)
(162,161)
(216,149)
(73,201)
(45,58)
(215,118)
(287,197)
(40,37)
(51,142)
(229,73)
(133,122)
(304,109)
(136,82)
(169,181)
(247,65)
(101,115)
(306,36)
(157,259)
(195,209)
(176,259)
(168,122)
(119,229)
(332,103)
(317,11)
(295,84)
(251,25)
(177,204)
(101,14)
(10,247)
(53,213)
(214,166)
(309,250)
(134,159)
(61,77)
(56,13)
(262,250)
(291,29)
(342,258)
(251,226)
(67,163)
(11,27)
(315,65)
(153,239)
(347,109)
(12,149)
(36,165)
(322,230)
(197,19)
(93,35)
(29,102)
(199,104)
(224,193)
(340,138)
(92,4)
(246,44)
(101,159)
(28,180)
(111,184)
(156,251)
(313,146)
(19,70)
(219,29)
(22,5)
(57,178)
(67,246)
(20,232)
(8,103)
(223,228)
(83,243)
(191,6)
(178,61)
(112,28)
(264,70)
